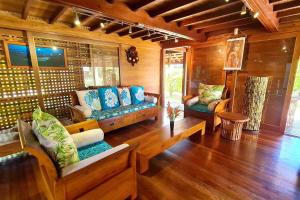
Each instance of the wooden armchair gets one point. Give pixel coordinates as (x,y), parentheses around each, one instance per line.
(108,175)
(212,120)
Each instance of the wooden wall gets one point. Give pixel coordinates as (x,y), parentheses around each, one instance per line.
(263,58)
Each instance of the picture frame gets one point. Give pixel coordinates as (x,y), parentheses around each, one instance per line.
(17,54)
(234,54)
(51,57)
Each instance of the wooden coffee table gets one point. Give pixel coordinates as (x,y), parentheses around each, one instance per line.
(158,140)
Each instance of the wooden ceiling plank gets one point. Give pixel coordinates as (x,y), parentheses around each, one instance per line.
(26,9)
(139,34)
(58,14)
(235,9)
(120,11)
(116,28)
(287,13)
(286,6)
(151,37)
(289,19)
(266,15)
(169,6)
(140,5)
(232,25)
(86,21)
(223,20)
(158,39)
(212,6)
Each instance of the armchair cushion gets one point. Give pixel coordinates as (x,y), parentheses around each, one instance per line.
(54,137)
(85,110)
(87,137)
(192,101)
(89,99)
(109,98)
(200,108)
(211,106)
(137,94)
(93,149)
(209,93)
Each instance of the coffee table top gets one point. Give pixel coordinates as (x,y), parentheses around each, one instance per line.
(163,136)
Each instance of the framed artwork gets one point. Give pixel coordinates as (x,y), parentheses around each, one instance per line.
(17,54)
(234,53)
(49,57)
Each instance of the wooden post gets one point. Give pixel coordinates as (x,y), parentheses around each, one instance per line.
(162,56)
(232,92)
(35,68)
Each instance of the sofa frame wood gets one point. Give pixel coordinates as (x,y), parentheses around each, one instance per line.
(111,177)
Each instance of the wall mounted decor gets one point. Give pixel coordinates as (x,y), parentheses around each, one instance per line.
(254,100)
(17,54)
(132,55)
(234,53)
(52,57)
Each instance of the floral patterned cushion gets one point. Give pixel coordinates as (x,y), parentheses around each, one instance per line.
(137,94)
(106,114)
(89,99)
(209,93)
(108,98)
(54,137)
(124,96)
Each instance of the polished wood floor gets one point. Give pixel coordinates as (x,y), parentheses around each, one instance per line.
(209,167)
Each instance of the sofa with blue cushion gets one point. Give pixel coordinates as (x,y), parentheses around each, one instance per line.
(119,116)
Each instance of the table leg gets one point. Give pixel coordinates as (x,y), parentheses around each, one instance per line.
(142,163)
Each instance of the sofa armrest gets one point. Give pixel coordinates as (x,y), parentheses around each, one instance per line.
(221,106)
(99,159)
(154,95)
(76,114)
(82,126)
(186,98)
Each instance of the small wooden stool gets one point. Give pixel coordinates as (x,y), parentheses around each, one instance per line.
(232,124)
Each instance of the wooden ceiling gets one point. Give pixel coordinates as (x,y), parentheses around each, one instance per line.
(183,19)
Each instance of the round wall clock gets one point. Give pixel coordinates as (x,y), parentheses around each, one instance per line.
(132,55)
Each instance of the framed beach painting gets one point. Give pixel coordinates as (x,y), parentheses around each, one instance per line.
(17,54)
(234,53)
(51,57)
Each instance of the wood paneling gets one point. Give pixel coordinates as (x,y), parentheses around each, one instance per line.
(263,58)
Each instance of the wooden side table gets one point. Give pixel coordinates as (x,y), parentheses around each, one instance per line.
(232,124)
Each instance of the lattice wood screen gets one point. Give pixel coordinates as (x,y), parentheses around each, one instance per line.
(18,90)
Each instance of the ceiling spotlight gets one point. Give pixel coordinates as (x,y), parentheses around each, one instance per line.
(102,25)
(130,30)
(255,15)
(175,40)
(166,37)
(226,1)
(77,21)
(236,31)
(244,10)
(149,34)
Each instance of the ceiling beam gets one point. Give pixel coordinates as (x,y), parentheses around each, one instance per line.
(232,25)
(292,18)
(235,9)
(155,35)
(58,14)
(86,21)
(211,6)
(140,4)
(223,20)
(286,6)
(139,34)
(287,13)
(120,11)
(169,6)
(25,12)
(116,28)
(266,15)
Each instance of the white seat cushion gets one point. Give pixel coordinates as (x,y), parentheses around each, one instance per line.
(87,137)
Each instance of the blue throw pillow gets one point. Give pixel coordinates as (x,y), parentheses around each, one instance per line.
(124,96)
(108,98)
(137,94)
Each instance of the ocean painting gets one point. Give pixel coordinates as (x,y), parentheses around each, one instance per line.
(19,55)
(50,57)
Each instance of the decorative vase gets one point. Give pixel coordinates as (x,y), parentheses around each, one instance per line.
(172,126)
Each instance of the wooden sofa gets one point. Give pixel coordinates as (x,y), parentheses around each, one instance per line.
(118,121)
(212,120)
(109,175)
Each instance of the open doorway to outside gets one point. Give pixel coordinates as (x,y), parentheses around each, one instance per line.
(174,76)
(293,118)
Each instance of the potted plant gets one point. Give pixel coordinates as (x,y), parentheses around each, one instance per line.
(173,113)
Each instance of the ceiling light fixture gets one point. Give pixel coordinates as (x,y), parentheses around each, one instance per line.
(76,21)
(244,10)
(130,30)
(175,40)
(255,15)
(226,1)
(102,25)
(166,37)
(149,34)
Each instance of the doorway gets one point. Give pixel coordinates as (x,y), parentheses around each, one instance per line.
(174,76)
(293,118)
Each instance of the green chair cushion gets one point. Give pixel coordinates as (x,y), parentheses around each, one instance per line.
(200,108)
(92,149)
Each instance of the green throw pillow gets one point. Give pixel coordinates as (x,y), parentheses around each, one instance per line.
(54,137)
(209,93)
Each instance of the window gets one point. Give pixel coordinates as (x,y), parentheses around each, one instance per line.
(104,68)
